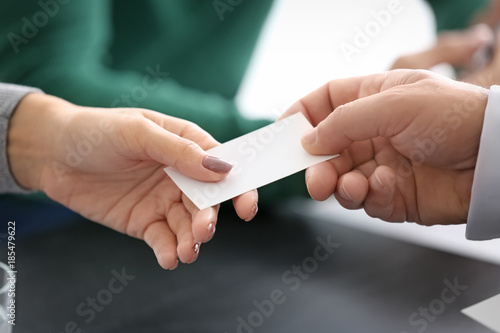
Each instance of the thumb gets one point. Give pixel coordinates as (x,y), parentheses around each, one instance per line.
(363,119)
(185,155)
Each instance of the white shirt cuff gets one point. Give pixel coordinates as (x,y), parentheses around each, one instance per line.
(484,212)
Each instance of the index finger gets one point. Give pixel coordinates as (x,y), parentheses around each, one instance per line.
(182,128)
(320,103)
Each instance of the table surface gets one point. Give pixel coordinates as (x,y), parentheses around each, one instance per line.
(368,284)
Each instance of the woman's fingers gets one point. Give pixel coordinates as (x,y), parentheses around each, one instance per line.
(186,156)
(180,222)
(162,240)
(246,205)
(204,224)
(172,142)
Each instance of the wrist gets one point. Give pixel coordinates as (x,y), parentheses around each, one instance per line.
(31,138)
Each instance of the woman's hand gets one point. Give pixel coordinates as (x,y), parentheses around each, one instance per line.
(107,165)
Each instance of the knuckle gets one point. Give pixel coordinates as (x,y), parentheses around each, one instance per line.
(185,150)
(189,148)
(421,75)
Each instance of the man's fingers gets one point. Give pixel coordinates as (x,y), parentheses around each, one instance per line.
(320,103)
(380,199)
(455,48)
(352,189)
(366,118)
(321,180)
(495,61)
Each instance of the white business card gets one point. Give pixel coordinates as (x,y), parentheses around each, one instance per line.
(259,158)
(486,312)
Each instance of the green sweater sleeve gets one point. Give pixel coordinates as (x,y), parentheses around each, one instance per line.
(182,58)
(66,48)
(455,14)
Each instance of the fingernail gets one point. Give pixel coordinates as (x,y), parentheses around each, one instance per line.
(310,136)
(176,265)
(196,252)
(255,209)
(378,181)
(343,193)
(211,228)
(215,164)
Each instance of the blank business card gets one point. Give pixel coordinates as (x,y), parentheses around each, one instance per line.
(259,158)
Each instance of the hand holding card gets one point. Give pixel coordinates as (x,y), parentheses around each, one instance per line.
(259,158)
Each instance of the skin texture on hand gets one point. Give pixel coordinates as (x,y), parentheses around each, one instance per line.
(408,142)
(107,165)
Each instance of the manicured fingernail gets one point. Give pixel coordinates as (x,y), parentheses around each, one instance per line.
(215,164)
(211,228)
(310,136)
(343,193)
(255,209)
(196,250)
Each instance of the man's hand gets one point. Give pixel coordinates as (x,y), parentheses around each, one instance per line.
(489,15)
(107,165)
(453,47)
(408,142)
(464,50)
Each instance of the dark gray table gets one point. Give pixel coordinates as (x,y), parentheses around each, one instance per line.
(368,284)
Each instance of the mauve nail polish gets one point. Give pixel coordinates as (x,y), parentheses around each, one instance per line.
(215,164)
